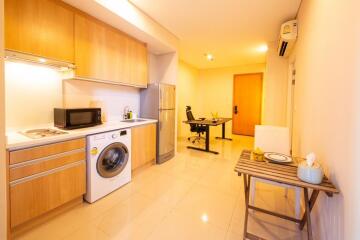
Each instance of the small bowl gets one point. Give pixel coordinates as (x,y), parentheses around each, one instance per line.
(258,156)
(313,174)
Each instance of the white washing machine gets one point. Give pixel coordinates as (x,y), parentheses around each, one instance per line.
(108,163)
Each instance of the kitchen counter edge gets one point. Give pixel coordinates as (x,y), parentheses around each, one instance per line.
(17,141)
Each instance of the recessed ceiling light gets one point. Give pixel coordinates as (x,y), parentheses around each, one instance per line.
(262,48)
(209,56)
(204,218)
(42,60)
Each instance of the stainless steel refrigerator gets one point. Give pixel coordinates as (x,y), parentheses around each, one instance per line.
(157,101)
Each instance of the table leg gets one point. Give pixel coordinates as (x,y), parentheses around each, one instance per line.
(312,201)
(307,213)
(223,133)
(207,142)
(246,189)
(207,138)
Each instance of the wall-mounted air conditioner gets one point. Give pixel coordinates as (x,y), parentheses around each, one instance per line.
(288,35)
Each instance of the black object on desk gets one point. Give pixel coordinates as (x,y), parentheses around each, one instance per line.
(207,124)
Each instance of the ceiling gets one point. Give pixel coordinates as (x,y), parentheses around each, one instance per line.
(231,30)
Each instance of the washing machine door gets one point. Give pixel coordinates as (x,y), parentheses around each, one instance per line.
(112,160)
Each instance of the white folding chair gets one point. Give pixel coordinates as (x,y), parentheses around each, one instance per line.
(274,139)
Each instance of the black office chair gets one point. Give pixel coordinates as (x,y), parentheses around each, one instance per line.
(195,128)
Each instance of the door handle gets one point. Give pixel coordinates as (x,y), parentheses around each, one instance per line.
(235,110)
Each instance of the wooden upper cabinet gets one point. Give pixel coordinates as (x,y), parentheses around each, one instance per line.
(40,27)
(139,64)
(104,53)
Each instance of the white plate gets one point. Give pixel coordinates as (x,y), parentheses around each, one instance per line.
(278,157)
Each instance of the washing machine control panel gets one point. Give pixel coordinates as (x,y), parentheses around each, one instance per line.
(123,133)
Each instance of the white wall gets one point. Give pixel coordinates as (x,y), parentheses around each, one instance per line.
(32,91)
(163,68)
(79,94)
(153,68)
(275,89)
(327,116)
(188,95)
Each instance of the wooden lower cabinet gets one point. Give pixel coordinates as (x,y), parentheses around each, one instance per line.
(143,145)
(34,197)
(39,185)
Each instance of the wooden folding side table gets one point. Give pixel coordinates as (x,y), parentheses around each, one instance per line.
(285,174)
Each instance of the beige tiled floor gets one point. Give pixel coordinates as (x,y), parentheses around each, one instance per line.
(196,196)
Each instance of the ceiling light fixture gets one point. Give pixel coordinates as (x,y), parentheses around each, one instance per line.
(42,60)
(209,57)
(263,48)
(204,218)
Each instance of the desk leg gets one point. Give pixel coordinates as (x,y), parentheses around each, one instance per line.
(223,133)
(207,142)
(246,189)
(207,138)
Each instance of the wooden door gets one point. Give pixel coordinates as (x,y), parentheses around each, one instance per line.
(247,98)
(40,27)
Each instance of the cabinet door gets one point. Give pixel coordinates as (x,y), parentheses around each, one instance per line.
(97,54)
(106,54)
(33,196)
(143,145)
(40,27)
(138,61)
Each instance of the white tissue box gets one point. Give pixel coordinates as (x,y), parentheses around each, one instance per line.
(311,174)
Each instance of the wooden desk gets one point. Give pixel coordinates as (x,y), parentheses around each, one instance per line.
(286,174)
(207,123)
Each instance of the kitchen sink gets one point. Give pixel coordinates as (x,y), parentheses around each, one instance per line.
(133,120)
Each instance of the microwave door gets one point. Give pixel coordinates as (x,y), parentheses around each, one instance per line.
(77,118)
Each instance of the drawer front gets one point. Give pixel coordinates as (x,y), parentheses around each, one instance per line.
(35,195)
(45,150)
(32,167)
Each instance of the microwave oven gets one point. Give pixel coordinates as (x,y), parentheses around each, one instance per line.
(72,118)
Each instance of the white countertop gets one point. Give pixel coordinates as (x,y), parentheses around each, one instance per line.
(16,140)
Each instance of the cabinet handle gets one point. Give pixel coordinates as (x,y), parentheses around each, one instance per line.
(42,174)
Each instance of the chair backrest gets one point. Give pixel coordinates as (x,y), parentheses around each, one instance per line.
(190,116)
(272,139)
